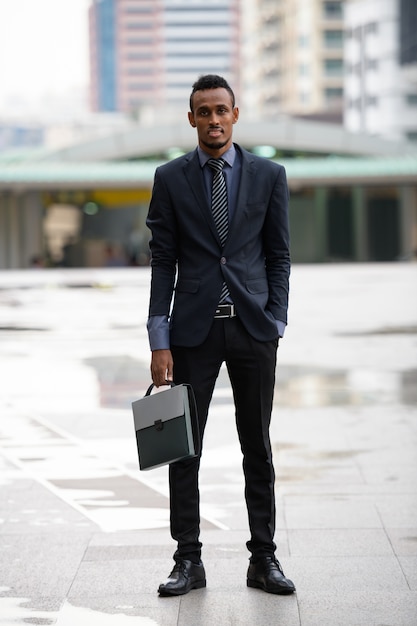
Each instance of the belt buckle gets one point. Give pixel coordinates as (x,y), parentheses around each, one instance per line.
(229,307)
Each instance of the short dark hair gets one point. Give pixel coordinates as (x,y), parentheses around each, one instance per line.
(211,81)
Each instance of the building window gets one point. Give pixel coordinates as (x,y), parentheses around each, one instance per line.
(133,10)
(372,27)
(333,95)
(412,135)
(303,41)
(333,39)
(136,71)
(139,56)
(333,10)
(411,99)
(137,41)
(371,64)
(333,67)
(303,69)
(273,72)
(138,25)
(357,33)
(371,101)
(354,103)
(140,87)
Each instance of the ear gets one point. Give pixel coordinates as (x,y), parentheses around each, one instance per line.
(191,119)
(235,115)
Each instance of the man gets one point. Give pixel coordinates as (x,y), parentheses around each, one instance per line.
(219,218)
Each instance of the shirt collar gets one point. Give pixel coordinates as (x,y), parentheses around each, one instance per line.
(228,156)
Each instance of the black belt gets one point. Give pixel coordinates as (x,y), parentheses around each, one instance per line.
(224,311)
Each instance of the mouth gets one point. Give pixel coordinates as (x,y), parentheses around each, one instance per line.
(215,132)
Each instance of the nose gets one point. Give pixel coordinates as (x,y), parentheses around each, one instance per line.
(213,118)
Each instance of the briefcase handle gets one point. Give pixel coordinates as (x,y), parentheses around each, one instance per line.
(151,386)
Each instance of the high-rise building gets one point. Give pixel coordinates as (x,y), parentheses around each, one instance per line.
(380,95)
(148,53)
(295,60)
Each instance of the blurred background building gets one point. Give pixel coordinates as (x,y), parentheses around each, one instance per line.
(282,57)
(147,53)
(379,57)
(299,52)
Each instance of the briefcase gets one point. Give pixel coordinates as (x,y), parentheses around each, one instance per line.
(166,426)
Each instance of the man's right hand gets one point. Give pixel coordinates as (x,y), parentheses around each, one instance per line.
(161,367)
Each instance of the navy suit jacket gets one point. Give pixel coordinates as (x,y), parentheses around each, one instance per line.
(189,264)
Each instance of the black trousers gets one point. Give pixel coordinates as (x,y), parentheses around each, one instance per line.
(251,368)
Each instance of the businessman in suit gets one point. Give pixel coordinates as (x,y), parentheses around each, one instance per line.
(219,293)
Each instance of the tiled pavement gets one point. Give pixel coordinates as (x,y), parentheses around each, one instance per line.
(84,535)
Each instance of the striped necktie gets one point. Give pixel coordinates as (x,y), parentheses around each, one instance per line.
(219,208)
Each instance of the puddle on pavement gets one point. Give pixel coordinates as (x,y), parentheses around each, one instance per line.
(12,611)
(311,387)
(123,378)
(71,615)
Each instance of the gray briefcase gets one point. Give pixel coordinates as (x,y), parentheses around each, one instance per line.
(166,426)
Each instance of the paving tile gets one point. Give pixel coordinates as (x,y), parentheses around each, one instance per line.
(248,607)
(346,575)
(337,511)
(403,540)
(119,577)
(27,506)
(359,608)
(41,564)
(409,567)
(346,542)
(398,511)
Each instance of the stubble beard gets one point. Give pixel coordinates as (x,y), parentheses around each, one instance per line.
(215,145)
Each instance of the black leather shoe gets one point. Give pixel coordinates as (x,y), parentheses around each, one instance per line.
(185,576)
(267,574)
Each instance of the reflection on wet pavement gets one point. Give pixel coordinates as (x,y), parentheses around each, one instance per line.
(18,610)
(85,477)
(121,378)
(310,387)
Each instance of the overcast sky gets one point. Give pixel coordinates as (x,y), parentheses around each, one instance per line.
(43,50)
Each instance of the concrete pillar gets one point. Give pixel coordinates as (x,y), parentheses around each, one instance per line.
(320,232)
(31,220)
(360,225)
(408,222)
(13,261)
(21,217)
(4,229)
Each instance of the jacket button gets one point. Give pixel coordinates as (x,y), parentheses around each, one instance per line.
(223,260)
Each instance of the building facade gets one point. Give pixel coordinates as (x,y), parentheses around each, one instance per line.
(280,57)
(293,58)
(380,95)
(146,54)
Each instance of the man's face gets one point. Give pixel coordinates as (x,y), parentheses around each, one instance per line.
(213,116)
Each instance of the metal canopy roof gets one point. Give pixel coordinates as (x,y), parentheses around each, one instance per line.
(301,172)
(284,134)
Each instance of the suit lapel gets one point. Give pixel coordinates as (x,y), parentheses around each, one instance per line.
(247,181)
(194,176)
